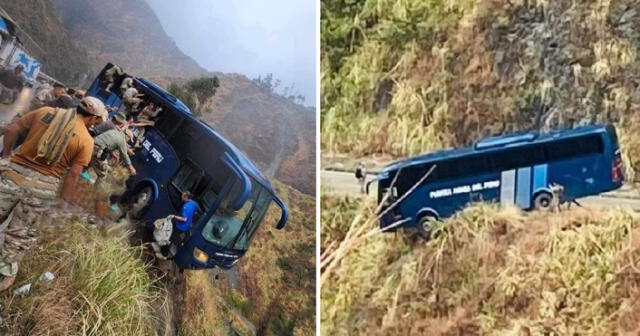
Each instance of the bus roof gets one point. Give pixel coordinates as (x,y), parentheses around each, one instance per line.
(494,144)
(170,101)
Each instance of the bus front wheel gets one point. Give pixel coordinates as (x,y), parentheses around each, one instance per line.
(425,226)
(543,201)
(141,201)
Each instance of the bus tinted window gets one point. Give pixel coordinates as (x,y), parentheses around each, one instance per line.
(570,148)
(186,179)
(168,122)
(517,157)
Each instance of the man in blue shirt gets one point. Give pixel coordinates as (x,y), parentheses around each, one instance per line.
(189,207)
(183,221)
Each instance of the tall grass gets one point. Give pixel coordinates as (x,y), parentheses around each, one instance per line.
(101,286)
(488,271)
(113,288)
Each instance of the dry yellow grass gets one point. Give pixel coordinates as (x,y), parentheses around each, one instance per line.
(488,271)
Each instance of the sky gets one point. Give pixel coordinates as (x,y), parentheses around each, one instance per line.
(250,37)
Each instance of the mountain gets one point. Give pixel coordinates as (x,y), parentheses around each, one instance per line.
(47,40)
(126,32)
(278,135)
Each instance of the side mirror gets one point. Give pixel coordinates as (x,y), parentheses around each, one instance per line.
(369,183)
(285,214)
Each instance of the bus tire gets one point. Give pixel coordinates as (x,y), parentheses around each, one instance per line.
(425,226)
(543,201)
(141,201)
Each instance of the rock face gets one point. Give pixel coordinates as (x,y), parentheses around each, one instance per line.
(61,57)
(464,70)
(126,32)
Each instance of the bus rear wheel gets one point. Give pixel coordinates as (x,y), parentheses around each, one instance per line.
(425,226)
(543,201)
(140,202)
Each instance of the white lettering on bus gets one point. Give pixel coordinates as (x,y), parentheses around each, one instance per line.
(146,144)
(464,189)
(156,155)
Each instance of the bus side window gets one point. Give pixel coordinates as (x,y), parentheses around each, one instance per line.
(168,122)
(517,158)
(570,148)
(187,178)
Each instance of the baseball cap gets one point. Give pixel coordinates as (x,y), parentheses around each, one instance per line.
(94,106)
(119,117)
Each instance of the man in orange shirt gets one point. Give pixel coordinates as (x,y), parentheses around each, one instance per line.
(30,181)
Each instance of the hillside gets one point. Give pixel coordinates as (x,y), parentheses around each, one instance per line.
(488,271)
(125,32)
(278,134)
(62,57)
(280,297)
(402,78)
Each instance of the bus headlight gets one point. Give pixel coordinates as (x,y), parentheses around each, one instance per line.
(200,255)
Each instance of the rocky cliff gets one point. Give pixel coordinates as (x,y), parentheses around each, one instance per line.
(126,32)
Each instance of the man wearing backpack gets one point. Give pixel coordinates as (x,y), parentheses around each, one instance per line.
(57,141)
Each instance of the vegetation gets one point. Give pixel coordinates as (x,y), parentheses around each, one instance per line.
(269,84)
(205,313)
(101,286)
(405,77)
(488,271)
(195,92)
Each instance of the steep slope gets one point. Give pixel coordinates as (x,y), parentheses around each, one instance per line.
(126,32)
(276,133)
(61,57)
(403,78)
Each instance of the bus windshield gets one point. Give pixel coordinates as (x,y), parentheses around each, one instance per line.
(235,229)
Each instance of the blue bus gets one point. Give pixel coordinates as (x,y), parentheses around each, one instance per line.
(181,153)
(521,169)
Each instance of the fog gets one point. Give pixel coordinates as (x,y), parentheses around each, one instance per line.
(251,37)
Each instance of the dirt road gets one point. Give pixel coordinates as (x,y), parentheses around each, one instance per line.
(344,183)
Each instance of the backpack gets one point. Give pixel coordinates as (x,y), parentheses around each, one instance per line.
(359,173)
(55,139)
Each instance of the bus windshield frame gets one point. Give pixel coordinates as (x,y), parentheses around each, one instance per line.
(235,229)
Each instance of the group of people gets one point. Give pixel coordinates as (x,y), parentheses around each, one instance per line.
(57,149)
(56,95)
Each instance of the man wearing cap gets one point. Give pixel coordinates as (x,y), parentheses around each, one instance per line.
(64,100)
(11,82)
(110,141)
(57,141)
(47,96)
(131,99)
